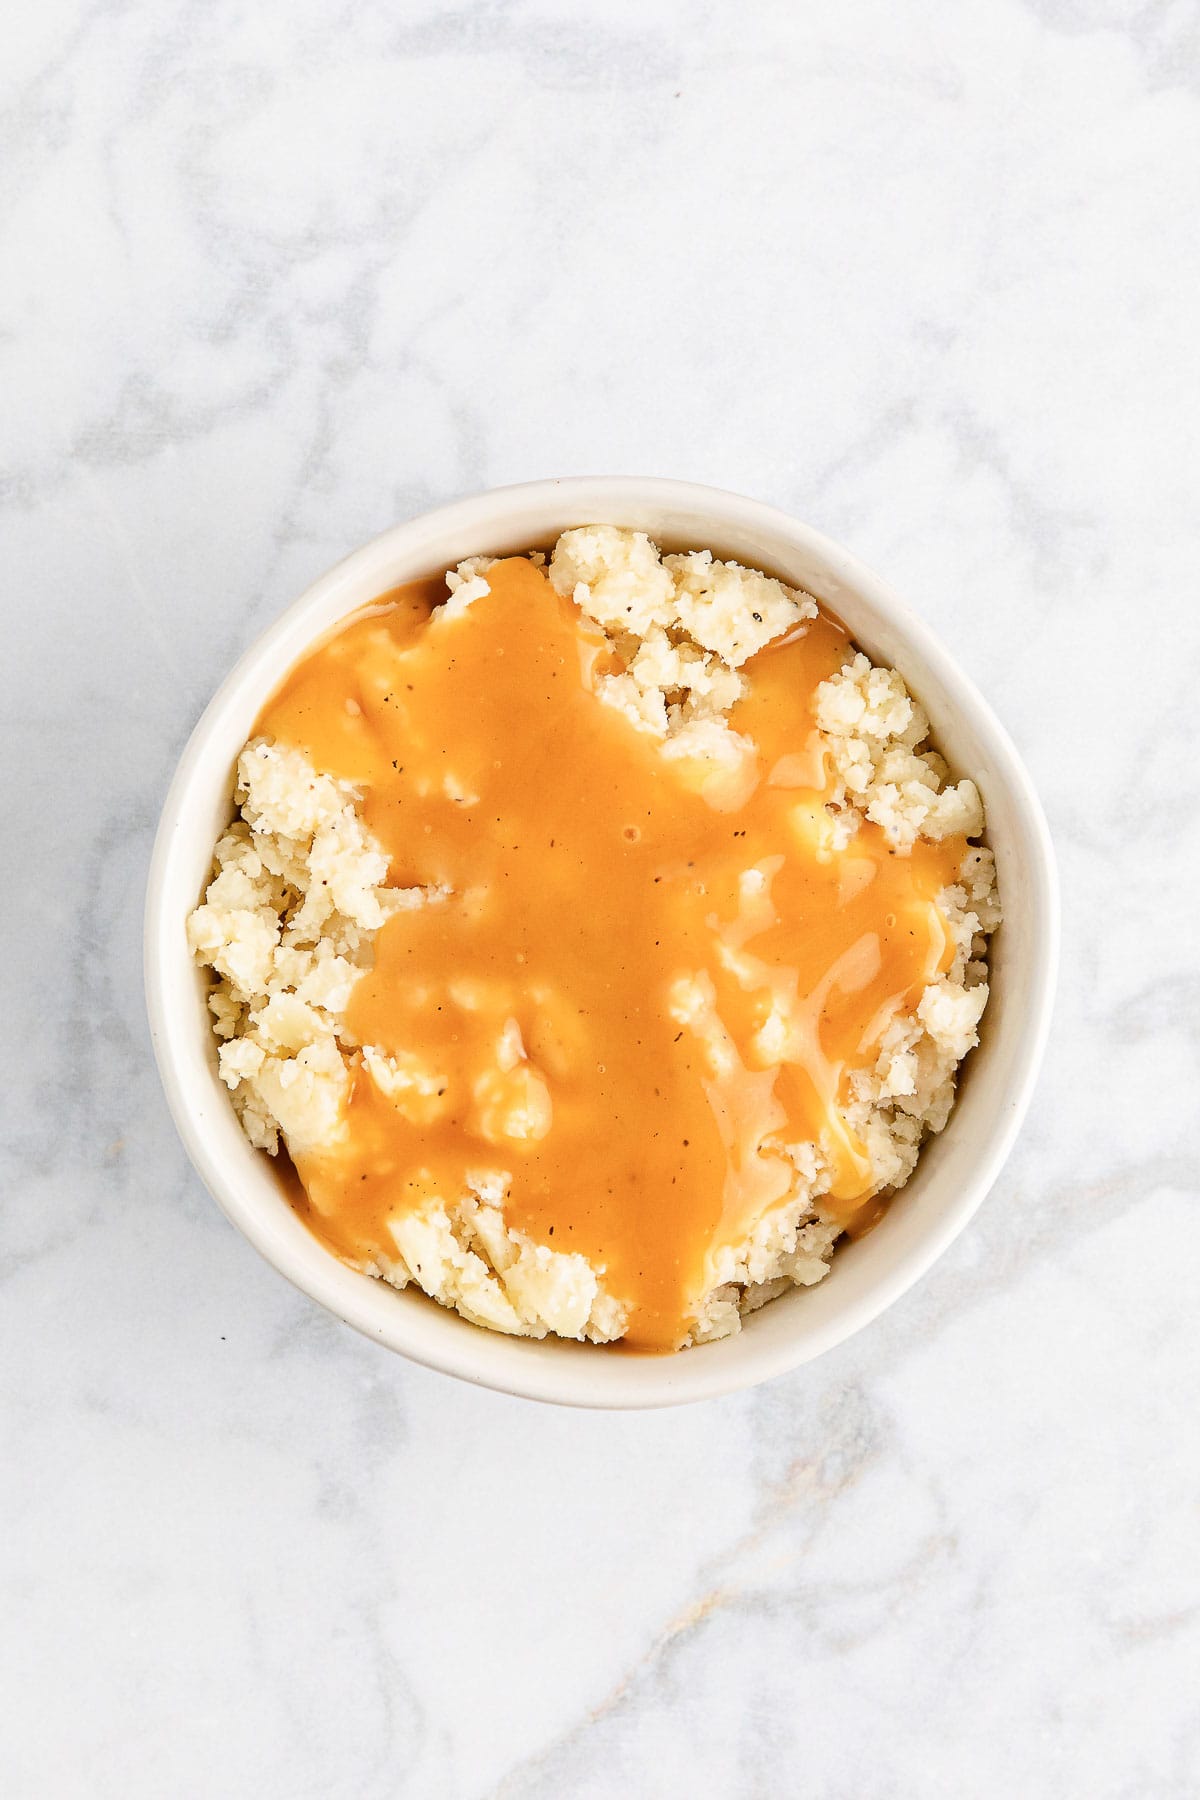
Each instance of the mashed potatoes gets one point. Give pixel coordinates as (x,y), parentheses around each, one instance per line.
(301,893)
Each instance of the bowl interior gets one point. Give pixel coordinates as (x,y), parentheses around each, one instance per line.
(955,1168)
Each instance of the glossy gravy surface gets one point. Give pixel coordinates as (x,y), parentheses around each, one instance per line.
(622,990)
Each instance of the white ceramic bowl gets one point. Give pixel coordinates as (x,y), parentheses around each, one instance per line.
(955,1170)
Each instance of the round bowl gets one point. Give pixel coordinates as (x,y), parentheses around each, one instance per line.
(955,1169)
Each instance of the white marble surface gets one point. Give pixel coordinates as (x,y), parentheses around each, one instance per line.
(274,273)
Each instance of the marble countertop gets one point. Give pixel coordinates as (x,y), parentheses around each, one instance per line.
(273,276)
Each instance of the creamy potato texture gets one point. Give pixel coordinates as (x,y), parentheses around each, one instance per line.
(600,938)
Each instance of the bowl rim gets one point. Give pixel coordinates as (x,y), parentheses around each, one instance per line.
(474,1354)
